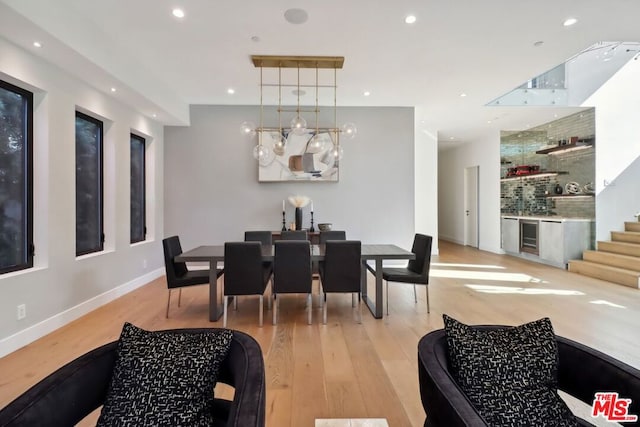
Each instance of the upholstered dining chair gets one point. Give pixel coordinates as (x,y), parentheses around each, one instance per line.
(294,235)
(340,271)
(178,275)
(332,235)
(263,237)
(244,273)
(416,271)
(291,272)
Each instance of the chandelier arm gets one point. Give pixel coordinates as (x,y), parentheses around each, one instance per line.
(261,109)
(317,110)
(280,100)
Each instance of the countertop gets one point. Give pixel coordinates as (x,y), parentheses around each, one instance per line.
(546,218)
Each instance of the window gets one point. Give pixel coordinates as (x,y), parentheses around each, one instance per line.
(89,221)
(138,198)
(16,178)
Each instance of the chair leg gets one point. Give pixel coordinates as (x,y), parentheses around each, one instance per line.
(359,310)
(179,296)
(353,300)
(309,308)
(324,309)
(235,302)
(168,301)
(387,297)
(427,286)
(320,298)
(261,310)
(415,295)
(275,309)
(224,311)
(270,294)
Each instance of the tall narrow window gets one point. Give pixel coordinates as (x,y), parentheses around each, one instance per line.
(138,197)
(16,178)
(89,221)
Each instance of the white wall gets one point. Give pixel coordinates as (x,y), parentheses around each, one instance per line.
(61,287)
(212,192)
(452,162)
(617,105)
(426,181)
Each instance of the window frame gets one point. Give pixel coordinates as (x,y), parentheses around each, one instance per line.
(27,214)
(143,142)
(100,151)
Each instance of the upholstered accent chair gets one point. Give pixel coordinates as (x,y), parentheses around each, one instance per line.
(264,237)
(294,235)
(582,371)
(75,390)
(291,272)
(244,273)
(340,272)
(178,275)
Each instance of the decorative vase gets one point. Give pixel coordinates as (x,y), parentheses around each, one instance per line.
(298,218)
(558,189)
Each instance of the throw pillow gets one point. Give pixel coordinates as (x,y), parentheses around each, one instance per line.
(164,378)
(510,375)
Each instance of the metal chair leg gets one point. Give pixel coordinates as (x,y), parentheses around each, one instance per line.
(353,300)
(270,294)
(179,296)
(275,309)
(427,286)
(168,301)
(387,297)
(261,310)
(224,311)
(235,302)
(415,295)
(359,310)
(309,308)
(324,309)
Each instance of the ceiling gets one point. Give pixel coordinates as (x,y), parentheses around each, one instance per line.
(161,64)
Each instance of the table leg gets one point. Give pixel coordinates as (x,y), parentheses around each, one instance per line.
(215,308)
(374,306)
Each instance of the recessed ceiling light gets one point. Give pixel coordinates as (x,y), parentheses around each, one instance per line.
(569,22)
(178,13)
(366,93)
(37,44)
(154,115)
(488,121)
(296,16)
(452,138)
(410,19)
(113,89)
(462,95)
(231,91)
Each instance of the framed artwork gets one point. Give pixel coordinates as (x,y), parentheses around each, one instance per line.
(308,157)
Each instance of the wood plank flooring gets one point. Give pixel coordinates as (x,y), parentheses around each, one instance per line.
(349,370)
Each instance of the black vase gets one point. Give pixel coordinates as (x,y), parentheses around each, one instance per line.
(298,218)
(558,189)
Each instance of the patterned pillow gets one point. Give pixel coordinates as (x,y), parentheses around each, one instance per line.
(510,375)
(164,378)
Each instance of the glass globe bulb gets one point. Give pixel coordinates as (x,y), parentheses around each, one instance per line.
(279,144)
(336,153)
(248,128)
(349,130)
(298,125)
(316,144)
(264,155)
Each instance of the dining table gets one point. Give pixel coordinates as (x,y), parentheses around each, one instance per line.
(214,255)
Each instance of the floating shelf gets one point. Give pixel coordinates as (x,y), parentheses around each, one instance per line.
(569,196)
(534,175)
(565,148)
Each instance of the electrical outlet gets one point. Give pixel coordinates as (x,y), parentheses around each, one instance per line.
(22,311)
(144,263)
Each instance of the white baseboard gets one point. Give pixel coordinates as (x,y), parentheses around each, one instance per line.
(451,239)
(32,333)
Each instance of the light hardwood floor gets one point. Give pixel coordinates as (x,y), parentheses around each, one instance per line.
(349,370)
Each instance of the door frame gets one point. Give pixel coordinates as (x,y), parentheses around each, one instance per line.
(470,190)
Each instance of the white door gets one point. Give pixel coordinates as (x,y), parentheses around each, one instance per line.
(471,206)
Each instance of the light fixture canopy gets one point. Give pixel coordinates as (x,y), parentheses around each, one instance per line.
(298,125)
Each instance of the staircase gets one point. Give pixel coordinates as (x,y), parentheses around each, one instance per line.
(616,261)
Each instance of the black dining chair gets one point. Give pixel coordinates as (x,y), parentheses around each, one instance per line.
(291,272)
(178,275)
(332,235)
(416,271)
(264,237)
(244,273)
(294,235)
(340,271)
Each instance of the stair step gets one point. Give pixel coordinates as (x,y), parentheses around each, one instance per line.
(612,259)
(620,248)
(632,226)
(626,236)
(604,272)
